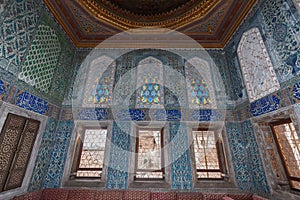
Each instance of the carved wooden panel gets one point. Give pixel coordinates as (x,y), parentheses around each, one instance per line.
(16,142)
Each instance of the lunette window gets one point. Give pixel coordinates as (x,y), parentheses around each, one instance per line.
(149,155)
(288,145)
(209,155)
(17,139)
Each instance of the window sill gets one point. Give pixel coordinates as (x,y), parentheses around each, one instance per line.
(149,184)
(217,185)
(85,183)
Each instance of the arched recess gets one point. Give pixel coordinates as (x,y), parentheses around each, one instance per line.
(257,69)
(149,83)
(201,93)
(99,83)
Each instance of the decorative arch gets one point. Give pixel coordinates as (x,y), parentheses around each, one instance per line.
(199,84)
(257,69)
(149,83)
(99,83)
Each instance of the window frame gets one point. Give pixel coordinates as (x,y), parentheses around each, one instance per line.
(78,152)
(162,157)
(283,163)
(220,155)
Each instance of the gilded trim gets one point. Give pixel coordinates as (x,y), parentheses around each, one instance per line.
(176,22)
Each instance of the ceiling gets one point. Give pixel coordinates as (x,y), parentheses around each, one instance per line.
(210,22)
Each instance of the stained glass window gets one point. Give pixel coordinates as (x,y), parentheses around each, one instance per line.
(99,83)
(199,84)
(150,92)
(200,94)
(149,83)
(289,147)
(207,155)
(149,155)
(92,153)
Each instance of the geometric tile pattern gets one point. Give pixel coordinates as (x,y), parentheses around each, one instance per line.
(181,172)
(17,27)
(58,154)
(281,23)
(117,175)
(42,59)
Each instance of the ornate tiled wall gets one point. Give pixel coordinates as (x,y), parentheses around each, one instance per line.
(248,166)
(35,64)
(35,56)
(181,172)
(117,177)
(58,154)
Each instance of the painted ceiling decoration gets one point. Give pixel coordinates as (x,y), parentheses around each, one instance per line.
(209,22)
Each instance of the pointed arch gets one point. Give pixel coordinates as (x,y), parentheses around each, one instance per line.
(99,83)
(199,84)
(257,69)
(149,83)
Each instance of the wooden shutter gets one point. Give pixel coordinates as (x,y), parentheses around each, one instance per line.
(16,142)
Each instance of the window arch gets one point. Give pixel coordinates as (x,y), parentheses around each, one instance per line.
(149,83)
(199,86)
(258,72)
(99,83)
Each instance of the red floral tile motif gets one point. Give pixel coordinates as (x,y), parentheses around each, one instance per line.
(137,195)
(163,196)
(208,196)
(190,196)
(30,196)
(241,196)
(55,194)
(81,195)
(108,195)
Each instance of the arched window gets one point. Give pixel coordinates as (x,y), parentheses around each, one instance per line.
(199,84)
(259,75)
(99,83)
(149,83)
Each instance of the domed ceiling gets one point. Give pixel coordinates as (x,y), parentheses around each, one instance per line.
(209,22)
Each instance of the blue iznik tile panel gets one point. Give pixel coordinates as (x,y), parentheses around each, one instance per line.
(43,158)
(32,103)
(181,173)
(265,105)
(248,166)
(58,155)
(259,178)
(281,26)
(239,156)
(130,115)
(296,91)
(168,115)
(207,115)
(94,114)
(117,175)
(17,26)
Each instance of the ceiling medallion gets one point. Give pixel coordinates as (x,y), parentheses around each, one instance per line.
(126,20)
